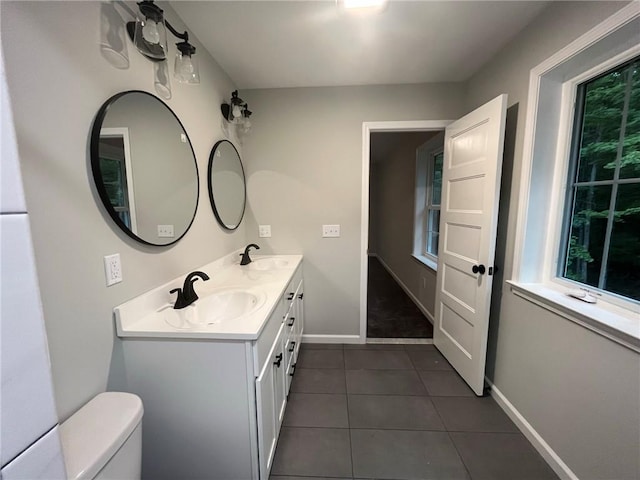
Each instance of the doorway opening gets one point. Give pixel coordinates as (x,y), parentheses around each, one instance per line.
(397,285)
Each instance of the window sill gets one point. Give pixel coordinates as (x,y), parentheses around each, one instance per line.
(426,261)
(617,324)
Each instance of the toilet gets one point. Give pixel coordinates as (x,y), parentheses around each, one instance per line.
(103,440)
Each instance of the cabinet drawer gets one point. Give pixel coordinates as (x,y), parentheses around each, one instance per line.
(289,294)
(263,345)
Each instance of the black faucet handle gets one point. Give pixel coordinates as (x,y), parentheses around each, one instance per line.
(246,259)
(180,300)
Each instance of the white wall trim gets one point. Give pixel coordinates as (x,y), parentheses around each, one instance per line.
(413,298)
(622,17)
(367,129)
(307,338)
(543,448)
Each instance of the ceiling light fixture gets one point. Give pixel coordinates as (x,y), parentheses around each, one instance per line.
(149,35)
(237,112)
(357,4)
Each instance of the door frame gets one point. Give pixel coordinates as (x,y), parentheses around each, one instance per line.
(367,129)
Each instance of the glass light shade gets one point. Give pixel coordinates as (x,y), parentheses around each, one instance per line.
(186,68)
(246,125)
(150,38)
(236,113)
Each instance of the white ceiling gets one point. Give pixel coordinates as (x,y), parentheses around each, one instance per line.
(273,44)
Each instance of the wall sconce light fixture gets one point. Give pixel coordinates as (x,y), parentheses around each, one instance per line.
(237,112)
(149,35)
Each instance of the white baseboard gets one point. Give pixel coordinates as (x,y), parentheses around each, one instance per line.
(543,448)
(400,341)
(413,298)
(332,339)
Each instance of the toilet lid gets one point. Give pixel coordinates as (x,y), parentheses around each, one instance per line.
(92,435)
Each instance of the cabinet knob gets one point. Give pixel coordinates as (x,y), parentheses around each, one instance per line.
(293,370)
(300,296)
(293,319)
(292,347)
(278,360)
(291,295)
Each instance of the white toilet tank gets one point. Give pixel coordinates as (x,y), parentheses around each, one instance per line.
(103,440)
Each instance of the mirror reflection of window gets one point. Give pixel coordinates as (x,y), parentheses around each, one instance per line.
(115,165)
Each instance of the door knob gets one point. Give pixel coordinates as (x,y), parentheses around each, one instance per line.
(478,269)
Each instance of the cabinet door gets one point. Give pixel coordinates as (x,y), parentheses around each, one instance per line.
(299,325)
(270,403)
(279,375)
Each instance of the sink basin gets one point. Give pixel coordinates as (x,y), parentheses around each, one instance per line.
(220,306)
(267,263)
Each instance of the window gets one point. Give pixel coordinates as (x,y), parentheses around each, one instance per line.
(429,161)
(432,206)
(601,245)
(579,193)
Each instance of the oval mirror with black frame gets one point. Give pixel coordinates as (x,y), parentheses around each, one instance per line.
(227,188)
(144,168)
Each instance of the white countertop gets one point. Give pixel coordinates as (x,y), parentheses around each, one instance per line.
(143,315)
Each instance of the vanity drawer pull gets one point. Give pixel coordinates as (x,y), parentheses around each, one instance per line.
(292,347)
(300,296)
(293,319)
(278,360)
(291,295)
(293,370)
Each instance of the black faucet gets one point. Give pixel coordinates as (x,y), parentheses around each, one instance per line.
(246,260)
(187,295)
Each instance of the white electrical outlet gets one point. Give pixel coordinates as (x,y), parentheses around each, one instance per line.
(330,231)
(264,231)
(112,269)
(165,231)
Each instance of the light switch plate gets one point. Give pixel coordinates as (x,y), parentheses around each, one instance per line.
(165,231)
(112,269)
(330,231)
(264,231)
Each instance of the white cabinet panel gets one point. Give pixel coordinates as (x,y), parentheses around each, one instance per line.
(41,461)
(27,407)
(270,402)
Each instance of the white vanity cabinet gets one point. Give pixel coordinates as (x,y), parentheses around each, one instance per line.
(294,321)
(214,406)
(270,403)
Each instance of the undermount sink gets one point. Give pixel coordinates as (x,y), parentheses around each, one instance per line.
(267,263)
(219,306)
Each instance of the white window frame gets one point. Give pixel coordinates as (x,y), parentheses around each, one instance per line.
(425,158)
(429,206)
(563,160)
(545,168)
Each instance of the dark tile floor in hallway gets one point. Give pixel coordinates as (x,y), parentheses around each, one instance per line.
(395,412)
(390,311)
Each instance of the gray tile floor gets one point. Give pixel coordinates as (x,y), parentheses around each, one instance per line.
(395,412)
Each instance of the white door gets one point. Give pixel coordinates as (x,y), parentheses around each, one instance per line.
(468,219)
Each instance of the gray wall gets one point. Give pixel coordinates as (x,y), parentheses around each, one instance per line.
(57,81)
(580,391)
(392,205)
(305,170)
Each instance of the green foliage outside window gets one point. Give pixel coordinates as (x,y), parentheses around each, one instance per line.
(603,249)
